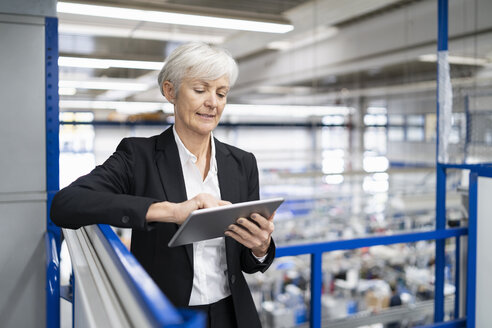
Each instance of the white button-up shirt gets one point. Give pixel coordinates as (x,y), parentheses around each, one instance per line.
(209,258)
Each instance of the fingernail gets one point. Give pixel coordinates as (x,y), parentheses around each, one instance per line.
(253,216)
(240,220)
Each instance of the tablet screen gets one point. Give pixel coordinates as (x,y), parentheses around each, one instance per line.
(211,223)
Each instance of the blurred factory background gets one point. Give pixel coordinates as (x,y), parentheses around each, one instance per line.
(337,100)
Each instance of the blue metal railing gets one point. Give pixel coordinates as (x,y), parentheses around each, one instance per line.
(458,323)
(159,309)
(316,250)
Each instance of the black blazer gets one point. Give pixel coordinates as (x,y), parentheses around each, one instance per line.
(147,170)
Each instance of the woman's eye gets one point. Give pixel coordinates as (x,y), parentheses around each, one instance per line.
(199,91)
(221,95)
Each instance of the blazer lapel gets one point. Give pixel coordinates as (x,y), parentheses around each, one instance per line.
(227,174)
(171,174)
(229,188)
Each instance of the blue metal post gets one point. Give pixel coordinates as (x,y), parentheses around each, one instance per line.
(457,293)
(52,160)
(52,282)
(440,244)
(472,251)
(72,283)
(316,282)
(52,118)
(442,32)
(442,45)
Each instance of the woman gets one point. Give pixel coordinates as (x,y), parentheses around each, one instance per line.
(152,184)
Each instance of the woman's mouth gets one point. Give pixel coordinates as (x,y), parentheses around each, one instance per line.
(206,116)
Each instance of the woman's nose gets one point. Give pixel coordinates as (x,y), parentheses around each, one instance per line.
(211,101)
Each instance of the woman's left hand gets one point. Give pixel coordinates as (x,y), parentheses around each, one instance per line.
(255,234)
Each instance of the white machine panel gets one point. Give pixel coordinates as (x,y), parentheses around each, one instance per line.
(484,245)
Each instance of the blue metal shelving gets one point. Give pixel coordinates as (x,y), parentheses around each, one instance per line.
(53,233)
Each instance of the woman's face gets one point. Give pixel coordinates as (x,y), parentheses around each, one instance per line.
(199,104)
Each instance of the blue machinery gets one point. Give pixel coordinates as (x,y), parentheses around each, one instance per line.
(160,311)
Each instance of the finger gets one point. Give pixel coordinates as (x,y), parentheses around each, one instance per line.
(238,238)
(263,222)
(252,227)
(255,233)
(210,202)
(224,202)
(245,234)
(207,200)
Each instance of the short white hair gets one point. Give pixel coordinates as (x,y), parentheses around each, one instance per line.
(197,60)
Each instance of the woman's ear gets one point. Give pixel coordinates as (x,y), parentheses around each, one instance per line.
(169,92)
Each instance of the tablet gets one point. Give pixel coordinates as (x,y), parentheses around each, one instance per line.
(212,222)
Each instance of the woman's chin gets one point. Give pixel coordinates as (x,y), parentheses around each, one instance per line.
(205,129)
(200,128)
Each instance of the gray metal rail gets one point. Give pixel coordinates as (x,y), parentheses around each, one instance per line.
(111,289)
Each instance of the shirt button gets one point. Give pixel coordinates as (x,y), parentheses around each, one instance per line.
(125,219)
(233,279)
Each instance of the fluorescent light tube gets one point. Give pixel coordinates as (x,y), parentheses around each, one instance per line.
(304,39)
(107,63)
(126,107)
(125,32)
(458,60)
(230,110)
(172,18)
(104,85)
(67,91)
(284,111)
(279,45)
(82,62)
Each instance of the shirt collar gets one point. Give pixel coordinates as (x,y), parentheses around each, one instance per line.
(185,155)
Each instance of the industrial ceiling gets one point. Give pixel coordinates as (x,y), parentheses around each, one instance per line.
(337,51)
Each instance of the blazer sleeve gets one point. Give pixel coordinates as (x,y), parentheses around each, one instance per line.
(103,196)
(249,263)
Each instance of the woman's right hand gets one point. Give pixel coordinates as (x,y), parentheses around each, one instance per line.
(178,212)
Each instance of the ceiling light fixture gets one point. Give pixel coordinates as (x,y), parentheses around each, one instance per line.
(304,39)
(172,18)
(125,32)
(107,63)
(125,107)
(457,60)
(285,111)
(104,85)
(67,91)
(279,45)
(286,90)
(131,107)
